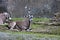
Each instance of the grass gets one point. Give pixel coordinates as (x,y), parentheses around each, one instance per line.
(34,20)
(36,28)
(40,19)
(17,19)
(32,33)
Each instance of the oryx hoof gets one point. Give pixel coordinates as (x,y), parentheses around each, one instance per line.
(29,30)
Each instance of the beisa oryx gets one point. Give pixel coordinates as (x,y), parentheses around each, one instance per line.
(21,25)
(4,17)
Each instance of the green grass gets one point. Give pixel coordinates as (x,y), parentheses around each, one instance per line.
(37,27)
(32,33)
(34,27)
(29,35)
(34,19)
(40,19)
(17,19)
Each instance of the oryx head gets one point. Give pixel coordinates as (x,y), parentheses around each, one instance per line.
(30,17)
(7,16)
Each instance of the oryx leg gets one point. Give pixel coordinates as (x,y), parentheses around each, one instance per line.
(29,29)
(1,21)
(12,25)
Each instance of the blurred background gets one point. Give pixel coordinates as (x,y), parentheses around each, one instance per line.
(38,8)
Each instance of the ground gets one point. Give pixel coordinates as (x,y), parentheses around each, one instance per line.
(40,31)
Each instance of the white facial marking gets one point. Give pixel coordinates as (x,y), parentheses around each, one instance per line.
(5,13)
(10,18)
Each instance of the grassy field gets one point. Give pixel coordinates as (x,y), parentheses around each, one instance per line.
(40,32)
(40,27)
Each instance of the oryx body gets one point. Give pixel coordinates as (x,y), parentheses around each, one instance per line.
(21,25)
